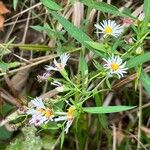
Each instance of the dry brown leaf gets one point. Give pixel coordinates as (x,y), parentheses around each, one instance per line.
(3,9)
(78,12)
(1,22)
(20,79)
(119,134)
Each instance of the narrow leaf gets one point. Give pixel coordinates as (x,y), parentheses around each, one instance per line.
(104,7)
(75,32)
(147,16)
(97,46)
(5,66)
(15,2)
(33,47)
(51,4)
(145,79)
(138,60)
(106,109)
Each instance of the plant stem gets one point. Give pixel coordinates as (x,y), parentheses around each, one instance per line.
(140,116)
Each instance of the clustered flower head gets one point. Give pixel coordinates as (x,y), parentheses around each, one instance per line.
(58,66)
(68,117)
(109,27)
(42,115)
(115,65)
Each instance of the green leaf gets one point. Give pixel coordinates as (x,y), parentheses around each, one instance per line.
(106,109)
(62,139)
(104,7)
(97,46)
(75,32)
(6,108)
(37,28)
(5,134)
(147,16)
(49,31)
(6,66)
(145,79)
(4,47)
(51,4)
(138,60)
(33,47)
(15,2)
(83,65)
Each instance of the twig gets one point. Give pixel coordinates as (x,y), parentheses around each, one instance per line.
(26,10)
(128,79)
(114,137)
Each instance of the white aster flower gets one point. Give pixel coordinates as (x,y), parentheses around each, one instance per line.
(109,27)
(115,65)
(40,114)
(31,111)
(38,103)
(37,120)
(68,117)
(59,66)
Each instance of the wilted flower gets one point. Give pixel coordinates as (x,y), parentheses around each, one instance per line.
(40,114)
(115,65)
(44,76)
(109,27)
(59,66)
(127,21)
(68,117)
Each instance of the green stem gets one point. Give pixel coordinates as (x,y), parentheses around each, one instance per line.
(140,116)
(136,44)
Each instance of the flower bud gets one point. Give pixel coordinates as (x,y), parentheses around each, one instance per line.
(139,50)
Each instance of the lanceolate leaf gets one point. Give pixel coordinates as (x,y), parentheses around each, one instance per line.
(97,46)
(145,81)
(33,47)
(104,7)
(5,66)
(106,109)
(15,2)
(138,60)
(75,32)
(51,4)
(147,16)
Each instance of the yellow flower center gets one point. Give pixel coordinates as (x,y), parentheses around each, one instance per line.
(48,113)
(41,110)
(114,66)
(71,111)
(108,30)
